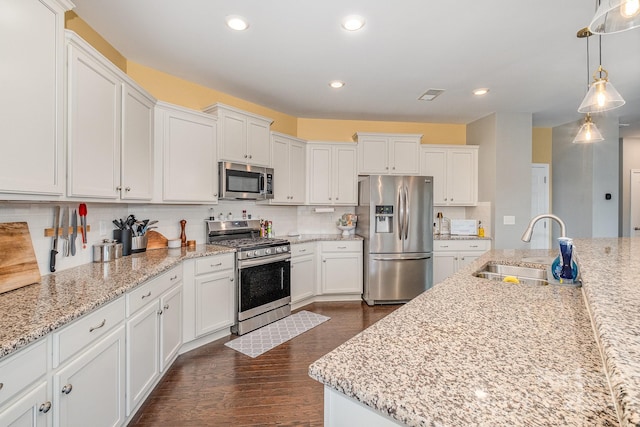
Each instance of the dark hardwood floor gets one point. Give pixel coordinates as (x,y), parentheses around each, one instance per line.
(217,386)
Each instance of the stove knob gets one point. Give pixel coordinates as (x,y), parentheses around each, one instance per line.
(285,249)
(249,254)
(267,251)
(278,250)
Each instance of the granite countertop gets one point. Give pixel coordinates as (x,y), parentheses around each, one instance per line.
(456,237)
(31,312)
(476,352)
(305,238)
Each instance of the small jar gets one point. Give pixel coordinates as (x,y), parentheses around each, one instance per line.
(230,216)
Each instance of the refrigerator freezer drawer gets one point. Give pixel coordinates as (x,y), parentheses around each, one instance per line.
(392,278)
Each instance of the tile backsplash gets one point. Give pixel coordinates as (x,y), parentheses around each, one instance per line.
(286,219)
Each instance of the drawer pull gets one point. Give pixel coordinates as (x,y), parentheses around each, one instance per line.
(473,246)
(67,388)
(173,278)
(93,328)
(303,250)
(147,295)
(444,246)
(342,247)
(216,265)
(1,385)
(45,407)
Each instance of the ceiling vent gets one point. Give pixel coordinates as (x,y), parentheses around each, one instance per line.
(431,94)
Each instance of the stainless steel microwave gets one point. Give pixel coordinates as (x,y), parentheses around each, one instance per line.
(244,182)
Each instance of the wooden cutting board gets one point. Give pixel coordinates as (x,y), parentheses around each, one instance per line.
(156,240)
(18,264)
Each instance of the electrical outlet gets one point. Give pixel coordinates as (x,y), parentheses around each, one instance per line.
(509,220)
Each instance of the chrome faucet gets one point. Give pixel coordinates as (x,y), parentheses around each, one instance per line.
(526,236)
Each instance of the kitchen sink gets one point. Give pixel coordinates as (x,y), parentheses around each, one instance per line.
(513,274)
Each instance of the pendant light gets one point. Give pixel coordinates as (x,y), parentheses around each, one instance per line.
(588,131)
(614,16)
(602,96)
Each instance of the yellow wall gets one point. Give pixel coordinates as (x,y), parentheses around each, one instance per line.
(541,145)
(343,130)
(74,23)
(191,95)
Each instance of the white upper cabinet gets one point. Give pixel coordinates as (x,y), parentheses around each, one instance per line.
(332,174)
(288,156)
(388,154)
(243,137)
(455,173)
(32,52)
(109,130)
(136,175)
(186,151)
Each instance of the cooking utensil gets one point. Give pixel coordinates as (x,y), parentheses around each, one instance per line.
(118,223)
(82,210)
(56,228)
(74,232)
(65,231)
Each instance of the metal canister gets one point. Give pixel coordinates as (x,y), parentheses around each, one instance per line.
(107,250)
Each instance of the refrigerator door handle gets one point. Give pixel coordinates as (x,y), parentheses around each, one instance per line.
(406,213)
(401,214)
(403,259)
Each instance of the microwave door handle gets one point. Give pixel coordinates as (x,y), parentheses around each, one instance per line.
(262,189)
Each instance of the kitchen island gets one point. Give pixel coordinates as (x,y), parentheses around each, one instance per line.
(476,352)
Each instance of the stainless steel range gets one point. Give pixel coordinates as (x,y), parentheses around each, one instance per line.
(263,272)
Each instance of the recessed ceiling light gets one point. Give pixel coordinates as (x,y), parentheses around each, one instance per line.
(236,22)
(481,91)
(353,22)
(336,84)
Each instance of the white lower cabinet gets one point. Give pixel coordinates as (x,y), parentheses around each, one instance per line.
(215,292)
(303,271)
(449,256)
(154,333)
(341,267)
(89,390)
(32,409)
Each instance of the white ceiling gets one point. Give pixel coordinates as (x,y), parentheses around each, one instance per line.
(526,52)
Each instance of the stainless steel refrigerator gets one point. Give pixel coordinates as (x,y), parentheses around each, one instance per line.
(395,217)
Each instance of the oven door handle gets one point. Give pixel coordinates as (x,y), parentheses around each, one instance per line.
(245,263)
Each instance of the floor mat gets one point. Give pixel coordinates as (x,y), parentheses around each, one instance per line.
(264,339)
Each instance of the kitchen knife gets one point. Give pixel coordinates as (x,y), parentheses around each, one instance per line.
(54,251)
(74,232)
(65,230)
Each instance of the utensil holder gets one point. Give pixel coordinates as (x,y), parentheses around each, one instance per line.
(124,237)
(138,244)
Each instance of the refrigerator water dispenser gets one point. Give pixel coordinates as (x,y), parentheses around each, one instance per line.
(384,219)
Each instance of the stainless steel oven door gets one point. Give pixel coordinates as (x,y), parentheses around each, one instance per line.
(263,285)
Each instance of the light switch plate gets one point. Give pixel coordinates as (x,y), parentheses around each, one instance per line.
(509,220)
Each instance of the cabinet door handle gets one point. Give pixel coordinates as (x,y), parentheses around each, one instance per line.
(231,279)
(324,260)
(93,328)
(245,156)
(166,306)
(44,408)
(159,312)
(127,189)
(67,388)
(145,296)
(216,265)
(1,385)
(118,188)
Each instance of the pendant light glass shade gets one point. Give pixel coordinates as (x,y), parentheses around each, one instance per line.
(602,96)
(613,16)
(588,132)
